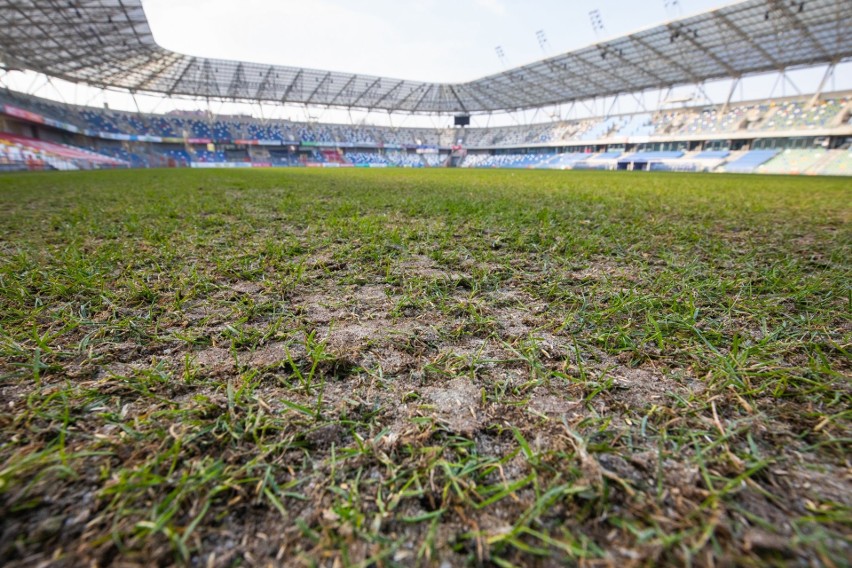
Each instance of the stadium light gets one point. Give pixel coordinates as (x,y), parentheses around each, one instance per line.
(673,8)
(542,41)
(501,55)
(597,22)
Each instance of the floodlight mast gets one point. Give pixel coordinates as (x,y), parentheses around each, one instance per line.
(501,55)
(597,23)
(542,42)
(673,8)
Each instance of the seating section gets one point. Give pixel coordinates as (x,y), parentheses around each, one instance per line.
(199,125)
(40,154)
(565,161)
(123,154)
(404,160)
(749,162)
(100,121)
(111,138)
(176,157)
(206,156)
(653,155)
(504,160)
(637,125)
(710,120)
(367,158)
(712,155)
(838,163)
(435,160)
(814,161)
(798,115)
(793,161)
(600,130)
(283,158)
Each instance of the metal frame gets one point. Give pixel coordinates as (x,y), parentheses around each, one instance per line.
(108,44)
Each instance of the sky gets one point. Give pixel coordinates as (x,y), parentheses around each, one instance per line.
(426,40)
(423,40)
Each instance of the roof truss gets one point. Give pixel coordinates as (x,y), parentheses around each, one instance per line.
(108,43)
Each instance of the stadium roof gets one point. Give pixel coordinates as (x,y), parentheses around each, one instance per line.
(108,43)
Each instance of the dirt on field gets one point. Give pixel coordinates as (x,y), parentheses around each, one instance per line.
(427,404)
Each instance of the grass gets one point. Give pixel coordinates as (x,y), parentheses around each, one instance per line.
(382,368)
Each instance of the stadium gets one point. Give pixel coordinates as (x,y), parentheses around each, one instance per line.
(537,318)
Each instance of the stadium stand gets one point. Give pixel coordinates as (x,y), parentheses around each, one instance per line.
(40,154)
(367,158)
(564,161)
(506,160)
(601,129)
(835,164)
(637,125)
(404,160)
(749,162)
(797,115)
(435,160)
(787,136)
(713,121)
(792,161)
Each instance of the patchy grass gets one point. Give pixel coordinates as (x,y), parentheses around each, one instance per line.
(380,368)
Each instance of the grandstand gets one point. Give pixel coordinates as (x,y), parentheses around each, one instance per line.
(694,139)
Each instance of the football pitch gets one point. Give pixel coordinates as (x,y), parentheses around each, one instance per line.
(448,368)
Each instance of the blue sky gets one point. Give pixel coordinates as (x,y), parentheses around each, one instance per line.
(430,40)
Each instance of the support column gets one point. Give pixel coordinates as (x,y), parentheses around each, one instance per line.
(829,72)
(734,86)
